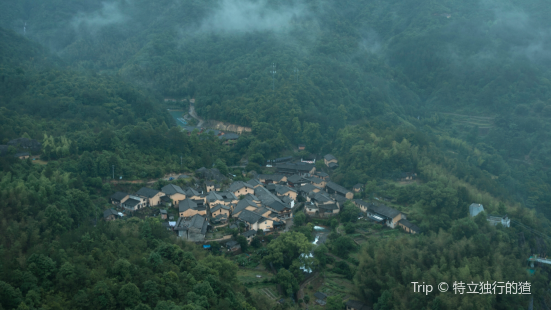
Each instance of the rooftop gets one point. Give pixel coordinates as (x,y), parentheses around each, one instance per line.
(191,192)
(249,217)
(409,225)
(119,196)
(237,185)
(229,136)
(295,178)
(253,182)
(187,204)
(295,167)
(147,192)
(329,157)
(320,295)
(110,212)
(242,204)
(249,233)
(337,188)
(383,210)
(172,189)
(131,202)
(475,208)
(277,206)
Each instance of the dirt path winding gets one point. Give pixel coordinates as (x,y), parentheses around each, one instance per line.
(194,115)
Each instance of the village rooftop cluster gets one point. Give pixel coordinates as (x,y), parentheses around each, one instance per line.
(263,204)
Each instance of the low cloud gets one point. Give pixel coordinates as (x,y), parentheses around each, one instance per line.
(251,16)
(370,42)
(109,14)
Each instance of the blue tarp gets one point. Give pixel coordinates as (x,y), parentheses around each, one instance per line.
(206,246)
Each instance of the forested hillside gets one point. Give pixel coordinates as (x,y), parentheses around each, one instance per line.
(455,91)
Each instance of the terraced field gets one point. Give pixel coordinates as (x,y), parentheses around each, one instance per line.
(484,123)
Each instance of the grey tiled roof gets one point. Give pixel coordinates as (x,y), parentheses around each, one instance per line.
(273,177)
(119,196)
(286,199)
(147,192)
(249,233)
(235,186)
(109,212)
(186,204)
(321,197)
(213,196)
(229,136)
(383,210)
(315,180)
(329,206)
(249,217)
(261,211)
(242,204)
(197,221)
(131,202)
(253,182)
(228,195)
(232,243)
(295,178)
(409,225)
(282,190)
(306,188)
(295,167)
(191,192)
(277,206)
(337,188)
(218,207)
(320,295)
(172,189)
(264,195)
(329,157)
(251,197)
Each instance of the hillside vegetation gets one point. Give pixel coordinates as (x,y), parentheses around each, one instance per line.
(455,91)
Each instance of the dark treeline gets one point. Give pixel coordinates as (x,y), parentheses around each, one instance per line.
(363,80)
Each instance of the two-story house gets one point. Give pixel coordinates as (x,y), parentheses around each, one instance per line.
(152,196)
(240,188)
(255,221)
(174,192)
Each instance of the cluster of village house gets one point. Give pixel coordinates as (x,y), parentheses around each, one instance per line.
(24,147)
(262,204)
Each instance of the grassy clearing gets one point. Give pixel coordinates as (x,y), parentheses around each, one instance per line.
(249,275)
(335,284)
(269,290)
(39,162)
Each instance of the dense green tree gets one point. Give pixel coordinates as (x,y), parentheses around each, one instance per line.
(342,246)
(334,303)
(129,295)
(243,243)
(299,218)
(288,282)
(286,248)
